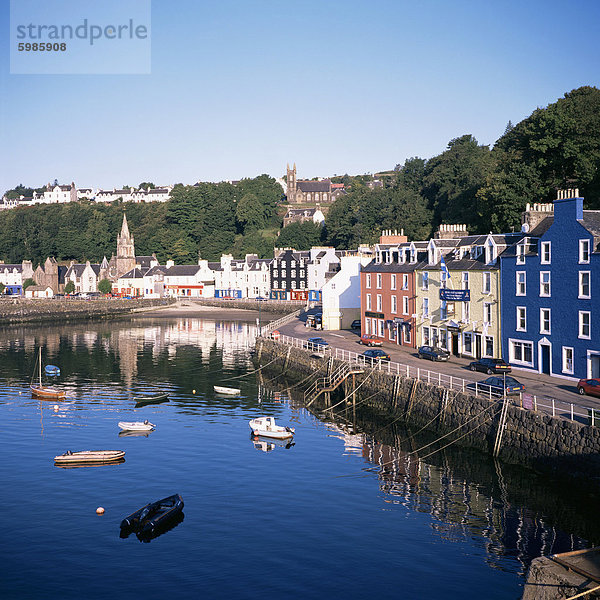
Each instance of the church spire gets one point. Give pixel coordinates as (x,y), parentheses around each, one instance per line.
(124,228)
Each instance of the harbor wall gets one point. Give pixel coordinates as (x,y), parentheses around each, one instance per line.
(533,439)
(27,310)
(267,306)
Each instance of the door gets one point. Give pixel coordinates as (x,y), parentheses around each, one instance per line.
(477,346)
(595,366)
(455,344)
(545,359)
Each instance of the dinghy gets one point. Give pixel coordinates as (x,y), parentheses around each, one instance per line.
(227,391)
(52,370)
(265,427)
(89,457)
(153,517)
(153,399)
(136,425)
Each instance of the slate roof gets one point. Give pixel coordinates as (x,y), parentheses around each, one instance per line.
(314,186)
(182,270)
(144,261)
(79,268)
(156,269)
(134,274)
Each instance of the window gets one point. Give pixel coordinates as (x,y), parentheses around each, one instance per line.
(466,311)
(585,324)
(367,325)
(489,345)
(302,286)
(426,336)
(293,264)
(544,283)
(283,285)
(467,343)
(381,328)
(567,360)
(487,313)
(368,281)
(521,283)
(379,303)
(465,280)
(521,318)
(487,283)
(293,285)
(368,301)
(294,273)
(520,254)
(379,280)
(404,282)
(394,304)
(425,307)
(425,280)
(393,281)
(544,320)
(301,272)
(584,251)
(406,335)
(584,284)
(443,310)
(521,352)
(405,305)
(546,253)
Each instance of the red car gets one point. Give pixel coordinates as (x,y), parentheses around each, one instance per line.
(369,340)
(589,386)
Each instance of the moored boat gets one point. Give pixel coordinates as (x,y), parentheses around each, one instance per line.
(39,390)
(151,399)
(52,370)
(152,517)
(136,425)
(266,427)
(227,390)
(89,457)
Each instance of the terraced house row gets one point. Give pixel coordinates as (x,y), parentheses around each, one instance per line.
(527,297)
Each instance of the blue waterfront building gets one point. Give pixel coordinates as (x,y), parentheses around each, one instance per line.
(550,294)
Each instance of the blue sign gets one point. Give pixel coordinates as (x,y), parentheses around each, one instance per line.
(455,295)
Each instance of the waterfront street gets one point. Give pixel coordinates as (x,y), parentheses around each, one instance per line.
(538,384)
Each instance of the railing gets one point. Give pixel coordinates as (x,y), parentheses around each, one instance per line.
(552,406)
(269,327)
(331,382)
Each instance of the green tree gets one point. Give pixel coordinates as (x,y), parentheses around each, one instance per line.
(69,287)
(105,286)
(301,236)
(249,213)
(145,185)
(28,282)
(2,288)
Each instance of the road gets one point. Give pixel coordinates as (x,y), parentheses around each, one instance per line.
(542,386)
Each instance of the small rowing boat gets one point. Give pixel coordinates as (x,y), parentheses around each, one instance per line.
(52,370)
(266,427)
(136,425)
(89,457)
(151,399)
(153,517)
(227,391)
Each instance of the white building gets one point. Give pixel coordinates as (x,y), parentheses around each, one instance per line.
(88,193)
(83,276)
(189,281)
(39,291)
(248,278)
(341,294)
(56,194)
(13,276)
(154,282)
(322,264)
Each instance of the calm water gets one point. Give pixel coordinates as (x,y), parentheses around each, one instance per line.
(260,519)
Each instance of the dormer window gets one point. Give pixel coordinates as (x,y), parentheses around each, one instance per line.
(521,253)
(490,253)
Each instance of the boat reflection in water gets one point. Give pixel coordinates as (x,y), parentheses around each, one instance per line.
(78,465)
(267,444)
(130,433)
(147,536)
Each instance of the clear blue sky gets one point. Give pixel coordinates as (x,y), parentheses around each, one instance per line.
(241,88)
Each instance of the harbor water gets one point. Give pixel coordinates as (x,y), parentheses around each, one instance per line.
(348,509)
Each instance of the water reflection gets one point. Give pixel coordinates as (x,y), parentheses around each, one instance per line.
(268,444)
(515,514)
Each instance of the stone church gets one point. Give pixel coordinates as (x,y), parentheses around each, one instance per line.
(125,259)
(308,192)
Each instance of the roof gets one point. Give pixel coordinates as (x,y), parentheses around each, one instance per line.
(78,269)
(144,261)
(134,274)
(156,269)
(182,270)
(314,186)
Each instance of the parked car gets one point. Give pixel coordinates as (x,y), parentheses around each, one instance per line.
(495,385)
(589,386)
(355,324)
(490,365)
(369,340)
(316,343)
(374,355)
(433,353)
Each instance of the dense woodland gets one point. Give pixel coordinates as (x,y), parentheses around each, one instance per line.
(486,188)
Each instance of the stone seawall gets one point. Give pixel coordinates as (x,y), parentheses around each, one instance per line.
(22,310)
(267,306)
(544,443)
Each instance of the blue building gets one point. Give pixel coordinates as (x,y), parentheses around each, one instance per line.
(550,294)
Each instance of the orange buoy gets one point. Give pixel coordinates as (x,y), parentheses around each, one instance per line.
(99,511)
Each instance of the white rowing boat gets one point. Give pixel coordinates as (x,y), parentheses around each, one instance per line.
(227,391)
(89,456)
(266,427)
(136,425)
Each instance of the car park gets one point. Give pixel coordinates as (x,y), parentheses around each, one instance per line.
(490,366)
(495,386)
(369,340)
(375,354)
(589,386)
(433,353)
(316,343)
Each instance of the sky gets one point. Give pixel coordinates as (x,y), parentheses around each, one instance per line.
(239,88)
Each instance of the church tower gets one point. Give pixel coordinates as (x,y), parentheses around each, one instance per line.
(125,250)
(291,184)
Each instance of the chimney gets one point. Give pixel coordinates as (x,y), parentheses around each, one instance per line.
(450,231)
(568,205)
(392,237)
